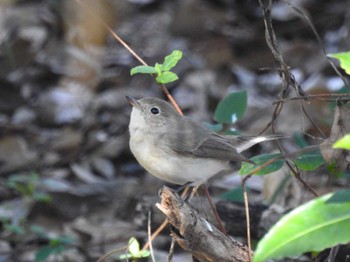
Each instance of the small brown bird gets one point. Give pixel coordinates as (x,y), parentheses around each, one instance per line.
(178,149)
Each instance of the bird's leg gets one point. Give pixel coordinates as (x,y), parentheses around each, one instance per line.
(190,193)
(177,188)
(189,189)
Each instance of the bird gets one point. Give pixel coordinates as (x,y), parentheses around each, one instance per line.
(178,149)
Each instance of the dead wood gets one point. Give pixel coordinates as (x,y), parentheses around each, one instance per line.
(198,236)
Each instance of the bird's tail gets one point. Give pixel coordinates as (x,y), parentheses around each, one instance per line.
(242,143)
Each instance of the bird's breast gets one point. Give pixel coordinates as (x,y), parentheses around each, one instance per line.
(169,165)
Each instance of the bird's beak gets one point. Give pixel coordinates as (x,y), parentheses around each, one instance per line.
(133,102)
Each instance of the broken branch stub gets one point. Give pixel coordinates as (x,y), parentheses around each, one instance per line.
(197,235)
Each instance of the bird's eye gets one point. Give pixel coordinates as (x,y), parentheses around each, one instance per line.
(155,111)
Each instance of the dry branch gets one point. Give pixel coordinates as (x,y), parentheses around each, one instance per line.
(198,236)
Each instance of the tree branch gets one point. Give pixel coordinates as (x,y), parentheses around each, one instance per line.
(196,235)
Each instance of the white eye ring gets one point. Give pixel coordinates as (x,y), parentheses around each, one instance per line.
(155,111)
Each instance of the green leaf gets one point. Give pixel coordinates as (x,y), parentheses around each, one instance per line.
(67,240)
(344,59)
(339,197)
(299,140)
(43,253)
(313,226)
(125,256)
(334,171)
(343,143)
(171,60)
(143,253)
(133,246)
(39,230)
(234,195)
(134,250)
(59,249)
(54,242)
(231,108)
(166,77)
(143,70)
(158,68)
(259,160)
(16,229)
(42,197)
(310,160)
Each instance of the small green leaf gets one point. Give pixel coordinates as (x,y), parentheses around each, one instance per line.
(231,108)
(171,60)
(134,250)
(259,160)
(166,77)
(125,256)
(234,195)
(299,140)
(339,197)
(313,226)
(42,197)
(59,249)
(143,253)
(158,68)
(68,240)
(143,70)
(344,59)
(310,160)
(54,242)
(334,170)
(343,143)
(16,229)
(133,246)
(39,230)
(43,253)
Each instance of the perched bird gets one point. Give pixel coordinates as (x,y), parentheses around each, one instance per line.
(178,149)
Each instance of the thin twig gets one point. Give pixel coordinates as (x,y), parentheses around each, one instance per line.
(246,207)
(149,237)
(121,41)
(110,253)
(155,234)
(313,122)
(246,203)
(171,250)
(314,31)
(288,80)
(213,209)
(322,97)
(296,174)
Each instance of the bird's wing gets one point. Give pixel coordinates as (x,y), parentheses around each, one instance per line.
(218,147)
(201,142)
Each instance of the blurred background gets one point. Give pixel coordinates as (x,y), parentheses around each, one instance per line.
(68,182)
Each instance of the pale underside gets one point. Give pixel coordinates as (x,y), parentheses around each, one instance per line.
(175,169)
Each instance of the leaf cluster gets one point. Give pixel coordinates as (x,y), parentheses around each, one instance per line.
(161,71)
